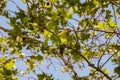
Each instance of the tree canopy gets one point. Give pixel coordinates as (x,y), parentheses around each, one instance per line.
(74,34)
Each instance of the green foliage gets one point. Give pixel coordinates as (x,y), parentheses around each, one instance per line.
(76,32)
(44,76)
(117,70)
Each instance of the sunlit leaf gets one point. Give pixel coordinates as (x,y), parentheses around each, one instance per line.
(68,15)
(112,24)
(64,69)
(3,59)
(101,25)
(63,40)
(24,1)
(10,64)
(106,71)
(47,33)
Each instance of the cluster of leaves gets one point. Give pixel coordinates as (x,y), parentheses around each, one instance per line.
(73,31)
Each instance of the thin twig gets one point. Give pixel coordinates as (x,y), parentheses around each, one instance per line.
(68,64)
(91,65)
(107,42)
(110,58)
(114,12)
(23,36)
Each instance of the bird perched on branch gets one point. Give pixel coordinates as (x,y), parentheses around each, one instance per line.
(64,37)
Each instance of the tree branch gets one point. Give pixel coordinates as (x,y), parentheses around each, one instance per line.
(5,30)
(23,36)
(101,31)
(68,64)
(91,65)
(109,58)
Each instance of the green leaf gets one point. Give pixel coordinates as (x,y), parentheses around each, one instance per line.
(3,59)
(10,64)
(24,1)
(96,2)
(85,36)
(101,25)
(76,57)
(47,33)
(63,40)
(106,71)
(117,70)
(44,76)
(68,15)
(112,24)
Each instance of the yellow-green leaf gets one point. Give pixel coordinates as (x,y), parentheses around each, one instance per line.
(64,69)
(47,33)
(100,25)
(19,39)
(106,71)
(3,59)
(52,1)
(63,40)
(35,24)
(95,2)
(112,24)
(10,64)
(68,15)
(24,1)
